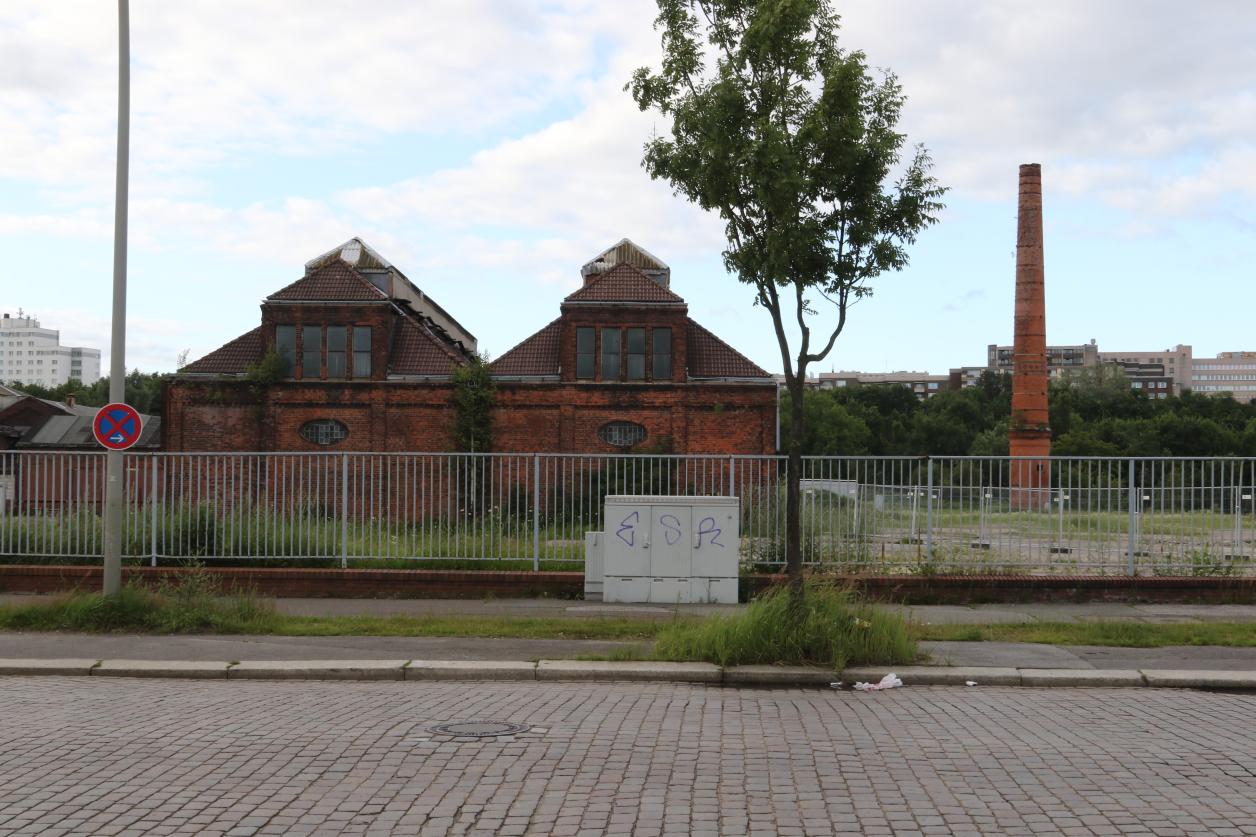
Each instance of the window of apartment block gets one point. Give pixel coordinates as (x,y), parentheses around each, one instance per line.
(610,354)
(586,353)
(361,351)
(635,365)
(311,351)
(662,338)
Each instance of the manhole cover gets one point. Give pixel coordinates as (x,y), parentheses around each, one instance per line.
(479,729)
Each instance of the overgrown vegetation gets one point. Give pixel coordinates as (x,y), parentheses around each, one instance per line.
(143,391)
(829,626)
(1094,412)
(475,398)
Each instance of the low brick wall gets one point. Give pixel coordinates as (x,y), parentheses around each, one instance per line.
(474,584)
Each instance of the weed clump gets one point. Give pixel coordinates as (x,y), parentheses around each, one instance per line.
(831,627)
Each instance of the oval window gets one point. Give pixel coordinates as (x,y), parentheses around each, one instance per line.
(621,434)
(324,431)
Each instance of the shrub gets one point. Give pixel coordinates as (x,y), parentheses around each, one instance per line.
(834,628)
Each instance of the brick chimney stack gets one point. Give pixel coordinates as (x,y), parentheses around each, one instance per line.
(1030,435)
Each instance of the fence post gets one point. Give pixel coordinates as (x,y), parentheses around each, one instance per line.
(536,512)
(1133,537)
(929,512)
(152,504)
(344,511)
(732,473)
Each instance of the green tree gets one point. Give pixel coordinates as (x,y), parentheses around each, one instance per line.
(793,141)
(474,399)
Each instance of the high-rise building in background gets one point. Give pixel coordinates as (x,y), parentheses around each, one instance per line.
(31,354)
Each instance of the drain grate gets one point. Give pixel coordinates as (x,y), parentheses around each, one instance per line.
(479,729)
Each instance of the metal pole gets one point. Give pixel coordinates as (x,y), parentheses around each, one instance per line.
(1133,539)
(117,347)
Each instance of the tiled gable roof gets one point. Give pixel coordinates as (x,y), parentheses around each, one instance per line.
(624,283)
(417,351)
(711,357)
(233,358)
(536,355)
(333,282)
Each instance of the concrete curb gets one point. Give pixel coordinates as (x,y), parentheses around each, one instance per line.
(642,672)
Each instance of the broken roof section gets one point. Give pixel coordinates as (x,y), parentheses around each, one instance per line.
(364,261)
(626,252)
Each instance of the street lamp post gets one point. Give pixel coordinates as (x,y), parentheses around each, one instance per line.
(117,346)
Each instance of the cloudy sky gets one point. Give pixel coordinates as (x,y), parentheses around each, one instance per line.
(487,149)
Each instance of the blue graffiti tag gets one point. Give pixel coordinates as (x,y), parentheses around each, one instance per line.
(629,527)
(671,528)
(707,527)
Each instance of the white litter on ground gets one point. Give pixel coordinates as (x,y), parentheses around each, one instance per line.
(889,681)
(836,684)
(970,682)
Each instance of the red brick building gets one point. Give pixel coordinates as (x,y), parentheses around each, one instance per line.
(365,363)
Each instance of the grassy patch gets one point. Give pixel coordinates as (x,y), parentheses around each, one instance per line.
(1117,634)
(833,629)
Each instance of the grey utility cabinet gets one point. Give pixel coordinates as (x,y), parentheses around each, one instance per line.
(670,550)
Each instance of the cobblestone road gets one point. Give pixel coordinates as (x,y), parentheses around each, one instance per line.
(80,756)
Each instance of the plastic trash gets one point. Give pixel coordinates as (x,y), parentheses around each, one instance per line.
(836,684)
(889,681)
(970,682)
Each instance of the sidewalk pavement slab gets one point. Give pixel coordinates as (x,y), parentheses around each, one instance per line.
(79,668)
(1186,679)
(161,668)
(659,672)
(778,676)
(318,670)
(1080,677)
(935,675)
(470,670)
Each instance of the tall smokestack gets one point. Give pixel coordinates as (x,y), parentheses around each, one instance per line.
(1030,435)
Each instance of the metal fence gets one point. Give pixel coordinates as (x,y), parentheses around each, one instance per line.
(879,514)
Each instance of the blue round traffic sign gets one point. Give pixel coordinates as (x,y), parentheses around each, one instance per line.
(117,426)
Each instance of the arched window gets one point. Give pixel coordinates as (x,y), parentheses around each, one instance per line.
(621,434)
(324,431)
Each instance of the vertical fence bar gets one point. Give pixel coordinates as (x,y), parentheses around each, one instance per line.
(1133,522)
(536,512)
(152,505)
(929,512)
(344,511)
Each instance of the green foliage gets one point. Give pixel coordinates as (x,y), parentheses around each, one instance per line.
(192,603)
(793,141)
(474,398)
(1093,413)
(830,626)
(267,370)
(143,391)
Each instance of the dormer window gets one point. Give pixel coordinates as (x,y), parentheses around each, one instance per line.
(334,352)
(623,354)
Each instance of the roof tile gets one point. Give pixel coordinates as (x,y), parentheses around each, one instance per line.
(624,283)
(417,351)
(333,282)
(711,357)
(232,358)
(536,355)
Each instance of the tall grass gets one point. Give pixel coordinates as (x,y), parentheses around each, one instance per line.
(833,628)
(192,603)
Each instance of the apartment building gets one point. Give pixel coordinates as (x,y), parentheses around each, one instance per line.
(1233,372)
(1176,362)
(32,354)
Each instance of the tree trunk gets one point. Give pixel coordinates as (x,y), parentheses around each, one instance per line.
(793,498)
